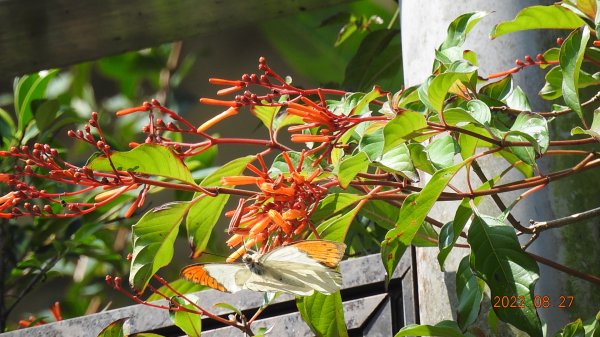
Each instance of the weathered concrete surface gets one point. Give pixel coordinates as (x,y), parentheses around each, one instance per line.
(424,26)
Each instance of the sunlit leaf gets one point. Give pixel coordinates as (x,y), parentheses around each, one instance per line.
(399,129)
(498,90)
(350,166)
(153,239)
(152,159)
(266,114)
(554,79)
(181,286)
(442,329)
(594,130)
(324,314)
(27,89)
(460,27)
(441,152)
(574,329)
(189,322)
(114,329)
(398,160)
(334,203)
(497,258)
(539,17)
(571,56)
(414,210)
(336,227)
(433,92)
(205,213)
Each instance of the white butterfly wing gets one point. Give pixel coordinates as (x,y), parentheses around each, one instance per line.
(229,277)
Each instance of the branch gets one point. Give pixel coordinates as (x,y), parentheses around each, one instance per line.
(565,269)
(547,114)
(539,226)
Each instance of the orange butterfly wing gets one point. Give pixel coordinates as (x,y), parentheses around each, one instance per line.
(220,276)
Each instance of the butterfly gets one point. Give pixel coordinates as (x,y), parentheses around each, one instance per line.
(299,268)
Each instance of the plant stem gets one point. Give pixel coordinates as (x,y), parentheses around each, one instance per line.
(539,226)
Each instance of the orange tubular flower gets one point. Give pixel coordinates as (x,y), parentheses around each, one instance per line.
(299,138)
(225,114)
(278,219)
(240,180)
(211,101)
(260,226)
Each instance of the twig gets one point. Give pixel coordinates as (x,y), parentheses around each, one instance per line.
(539,226)
(565,269)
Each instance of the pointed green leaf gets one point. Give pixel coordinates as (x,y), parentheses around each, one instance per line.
(441,152)
(153,239)
(469,290)
(418,155)
(460,27)
(450,232)
(594,130)
(324,314)
(533,128)
(44,112)
(114,329)
(433,92)
(399,129)
(152,159)
(350,167)
(498,90)
(398,160)
(554,79)
(363,105)
(414,210)
(518,100)
(205,213)
(189,322)
(442,329)
(27,89)
(571,56)
(266,114)
(497,258)
(539,17)
(426,236)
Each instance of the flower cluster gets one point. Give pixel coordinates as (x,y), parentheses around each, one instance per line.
(279,213)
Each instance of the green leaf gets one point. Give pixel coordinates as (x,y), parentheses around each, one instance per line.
(7,127)
(497,258)
(450,232)
(324,314)
(418,155)
(152,159)
(350,167)
(426,236)
(441,152)
(280,166)
(27,89)
(433,92)
(498,90)
(181,286)
(399,129)
(205,213)
(414,210)
(332,204)
(336,227)
(574,329)
(228,306)
(189,322)
(378,57)
(398,160)
(571,56)
(153,239)
(44,112)
(554,79)
(539,17)
(442,329)
(469,291)
(266,114)
(363,104)
(518,100)
(380,212)
(460,27)
(114,329)
(594,130)
(533,128)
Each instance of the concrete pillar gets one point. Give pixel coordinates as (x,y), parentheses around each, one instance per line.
(424,26)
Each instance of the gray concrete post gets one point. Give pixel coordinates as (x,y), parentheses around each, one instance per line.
(424,26)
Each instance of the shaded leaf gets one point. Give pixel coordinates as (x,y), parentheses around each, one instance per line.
(324,314)
(498,90)
(571,56)
(573,329)
(497,258)
(44,112)
(554,79)
(153,238)
(539,17)
(469,290)
(151,159)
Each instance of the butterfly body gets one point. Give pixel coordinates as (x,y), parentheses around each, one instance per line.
(300,269)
